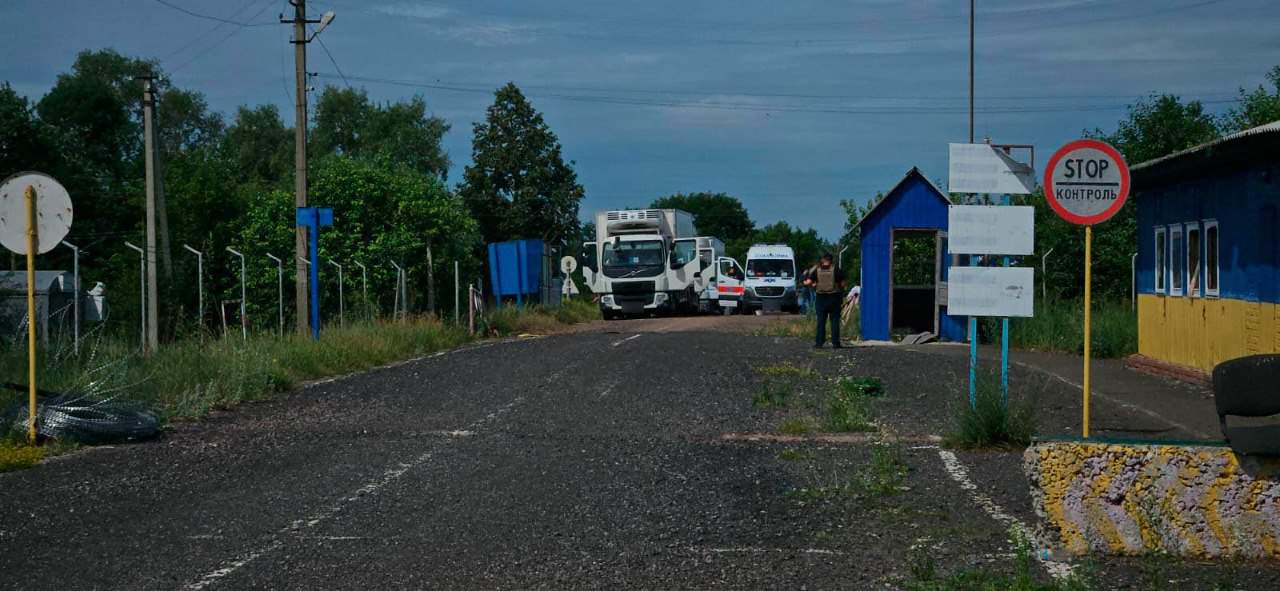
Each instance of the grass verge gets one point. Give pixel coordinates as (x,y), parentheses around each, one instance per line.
(190,378)
(1059,326)
(990,422)
(771,395)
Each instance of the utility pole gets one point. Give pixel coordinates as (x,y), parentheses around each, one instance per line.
(300,41)
(972,16)
(152,285)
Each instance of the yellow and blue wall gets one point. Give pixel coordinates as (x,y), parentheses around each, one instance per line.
(1196,327)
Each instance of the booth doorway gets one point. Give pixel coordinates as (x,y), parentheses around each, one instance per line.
(915,261)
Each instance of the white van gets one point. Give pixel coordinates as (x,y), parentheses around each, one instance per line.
(771,279)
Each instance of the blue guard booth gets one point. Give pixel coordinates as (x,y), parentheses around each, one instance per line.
(521,270)
(914,208)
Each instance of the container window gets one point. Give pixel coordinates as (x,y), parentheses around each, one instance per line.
(1211,287)
(1176,260)
(1194,254)
(1162,260)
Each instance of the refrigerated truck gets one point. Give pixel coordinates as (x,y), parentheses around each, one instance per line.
(644,262)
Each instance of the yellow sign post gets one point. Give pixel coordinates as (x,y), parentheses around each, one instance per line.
(31,314)
(1088,312)
(1086,182)
(35,215)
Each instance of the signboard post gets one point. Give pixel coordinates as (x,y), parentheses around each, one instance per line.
(314,218)
(990,291)
(35,215)
(1086,182)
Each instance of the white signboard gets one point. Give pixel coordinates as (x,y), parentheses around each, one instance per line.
(53,212)
(991,229)
(991,291)
(983,168)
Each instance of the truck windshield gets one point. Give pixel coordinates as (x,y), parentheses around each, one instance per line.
(642,258)
(771,268)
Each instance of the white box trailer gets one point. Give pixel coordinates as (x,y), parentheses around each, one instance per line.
(648,261)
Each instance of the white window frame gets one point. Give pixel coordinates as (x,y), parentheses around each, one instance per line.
(1217,261)
(1188,228)
(1161,262)
(1176,234)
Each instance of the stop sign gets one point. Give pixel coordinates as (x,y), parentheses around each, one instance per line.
(1086,182)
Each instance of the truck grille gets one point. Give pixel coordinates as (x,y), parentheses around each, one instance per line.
(629,288)
(770,291)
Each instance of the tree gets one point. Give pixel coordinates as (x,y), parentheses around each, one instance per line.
(348,123)
(382,212)
(23,145)
(1158,126)
(1257,107)
(259,146)
(518,185)
(715,214)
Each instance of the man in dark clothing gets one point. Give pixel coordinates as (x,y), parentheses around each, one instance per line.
(828,283)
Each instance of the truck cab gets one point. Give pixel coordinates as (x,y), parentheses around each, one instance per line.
(770,284)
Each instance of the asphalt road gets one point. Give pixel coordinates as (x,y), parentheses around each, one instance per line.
(610,458)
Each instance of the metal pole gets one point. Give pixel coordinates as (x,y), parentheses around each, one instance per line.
(142,287)
(1088,279)
(244,322)
(395,308)
(279,290)
(456,287)
(1044,276)
(471,309)
(972,18)
(364,287)
(199,284)
(75,303)
(32,246)
(342,322)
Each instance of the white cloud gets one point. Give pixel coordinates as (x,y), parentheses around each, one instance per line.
(420,11)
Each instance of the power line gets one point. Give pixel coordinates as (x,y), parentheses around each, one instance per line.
(751,107)
(333,61)
(211,17)
(210,31)
(220,41)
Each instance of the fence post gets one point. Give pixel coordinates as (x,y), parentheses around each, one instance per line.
(142,293)
(456,287)
(364,288)
(75,304)
(395,307)
(279,290)
(199,285)
(244,321)
(342,311)
(1044,274)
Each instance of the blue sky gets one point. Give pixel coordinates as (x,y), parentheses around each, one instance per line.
(790,106)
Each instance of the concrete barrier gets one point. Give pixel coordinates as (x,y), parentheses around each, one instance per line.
(1199,501)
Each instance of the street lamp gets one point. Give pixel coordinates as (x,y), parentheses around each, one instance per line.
(244,326)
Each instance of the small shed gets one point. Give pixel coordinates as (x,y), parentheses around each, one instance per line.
(523,270)
(914,208)
(1207,273)
(55,293)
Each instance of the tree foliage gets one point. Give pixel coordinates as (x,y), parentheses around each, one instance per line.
(518,184)
(715,214)
(1257,107)
(348,123)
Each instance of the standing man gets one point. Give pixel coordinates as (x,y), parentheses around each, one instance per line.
(828,282)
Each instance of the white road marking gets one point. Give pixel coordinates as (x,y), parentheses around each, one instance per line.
(753,550)
(369,488)
(632,337)
(959,474)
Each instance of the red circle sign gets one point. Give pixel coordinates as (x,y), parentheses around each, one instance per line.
(1086,182)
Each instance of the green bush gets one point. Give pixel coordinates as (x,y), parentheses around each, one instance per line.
(990,422)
